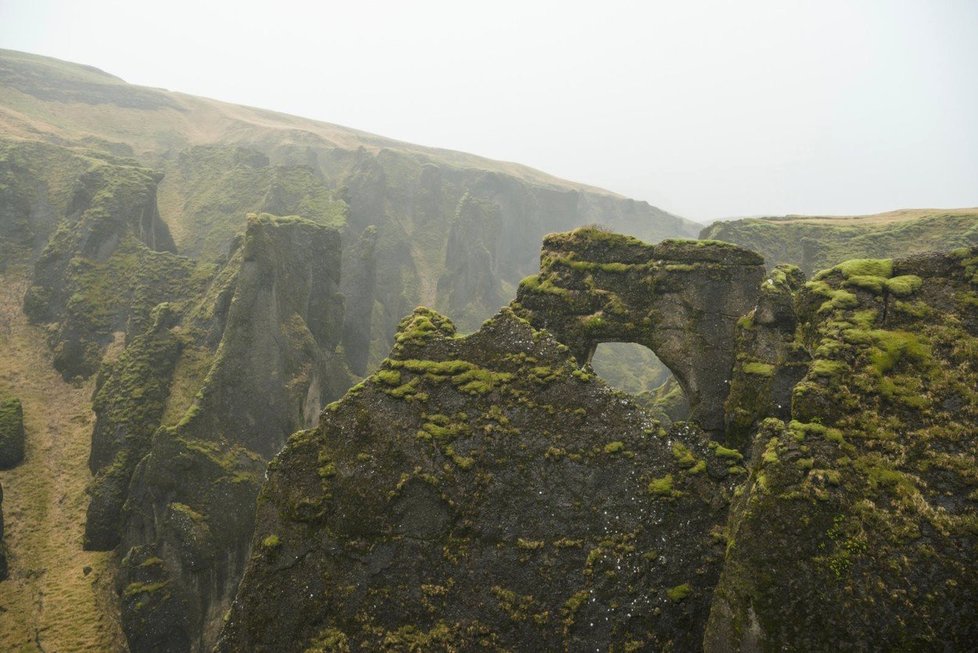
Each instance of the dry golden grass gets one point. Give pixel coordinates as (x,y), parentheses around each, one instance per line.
(49,603)
(890,217)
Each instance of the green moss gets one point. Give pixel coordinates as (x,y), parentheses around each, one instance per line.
(388,377)
(904,285)
(271,542)
(758,368)
(614,447)
(729,454)
(866,267)
(826,368)
(872,284)
(662,487)
(529,545)
(683,455)
(133,589)
(679,592)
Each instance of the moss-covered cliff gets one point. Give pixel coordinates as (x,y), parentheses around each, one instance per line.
(190,412)
(458,498)
(858,526)
(108,263)
(681,299)
(482,493)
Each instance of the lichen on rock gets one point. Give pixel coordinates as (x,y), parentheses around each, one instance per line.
(476,492)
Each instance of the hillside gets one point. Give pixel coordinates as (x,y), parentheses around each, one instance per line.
(818,242)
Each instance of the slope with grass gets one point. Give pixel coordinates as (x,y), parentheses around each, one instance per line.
(816,243)
(50,602)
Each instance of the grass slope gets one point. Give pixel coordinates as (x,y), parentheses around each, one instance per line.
(819,242)
(49,603)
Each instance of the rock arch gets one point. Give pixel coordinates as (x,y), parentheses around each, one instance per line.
(679,298)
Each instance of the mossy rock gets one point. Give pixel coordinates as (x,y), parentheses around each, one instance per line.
(491,512)
(11,432)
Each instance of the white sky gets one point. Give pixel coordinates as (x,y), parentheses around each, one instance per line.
(706,109)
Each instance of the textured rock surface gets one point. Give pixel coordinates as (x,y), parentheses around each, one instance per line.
(681,299)
(858,526)
(106,266)
(11,432)
(770,359)
(482,493)
(276,315)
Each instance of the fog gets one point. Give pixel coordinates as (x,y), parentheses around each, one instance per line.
(706,109)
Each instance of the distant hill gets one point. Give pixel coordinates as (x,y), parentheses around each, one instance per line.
(818,242)
(451,230)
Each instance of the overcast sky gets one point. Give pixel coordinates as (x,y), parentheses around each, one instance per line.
(706,109)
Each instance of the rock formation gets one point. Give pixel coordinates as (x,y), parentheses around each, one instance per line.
(858,525)
(190,411)
(681,299)
(483,493)
(486,493)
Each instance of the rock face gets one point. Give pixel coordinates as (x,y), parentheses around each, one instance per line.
(770,359)
(681,299)
(11,432)
(189,412)
(482,493)
(109,262)
(858,525)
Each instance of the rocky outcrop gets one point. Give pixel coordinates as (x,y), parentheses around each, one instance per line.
(471,286)
(109,262)
(11,432)
(359,284)
(256,356)
(858,525)
(681,299)
(482,493)
(488,493)
(770,359)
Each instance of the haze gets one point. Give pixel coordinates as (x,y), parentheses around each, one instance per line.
(706,109)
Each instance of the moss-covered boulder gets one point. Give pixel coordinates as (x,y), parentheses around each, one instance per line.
(858,526)
(681,299)
(483,493)
(11,432)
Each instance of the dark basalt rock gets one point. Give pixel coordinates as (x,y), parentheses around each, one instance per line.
(265,332)
(681,299)
(11,432)
(482,493)
(770,360)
